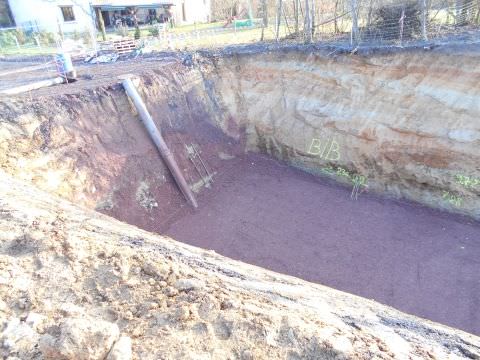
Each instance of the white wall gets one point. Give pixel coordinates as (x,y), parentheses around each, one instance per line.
(47,14)
(195,10)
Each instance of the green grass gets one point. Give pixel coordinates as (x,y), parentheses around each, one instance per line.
(190,28)
(145,30)
(241,36)
(27,51)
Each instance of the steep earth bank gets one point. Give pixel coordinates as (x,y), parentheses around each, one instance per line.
(403,123)
(90,147)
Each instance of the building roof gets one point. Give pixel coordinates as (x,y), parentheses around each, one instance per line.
(122,4)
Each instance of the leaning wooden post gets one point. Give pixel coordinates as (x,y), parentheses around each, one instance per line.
(157,138)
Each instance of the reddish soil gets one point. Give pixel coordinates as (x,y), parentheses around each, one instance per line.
(416,259)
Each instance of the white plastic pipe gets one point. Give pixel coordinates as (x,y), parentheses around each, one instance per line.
(33,86)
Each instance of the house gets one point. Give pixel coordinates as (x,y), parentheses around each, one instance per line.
(82,15)
(182,12)
(52,15)
(6,18)
(192,11)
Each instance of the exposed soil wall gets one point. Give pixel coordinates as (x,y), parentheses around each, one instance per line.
(404,123)
(91,148)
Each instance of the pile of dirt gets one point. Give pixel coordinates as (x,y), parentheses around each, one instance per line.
(80,285)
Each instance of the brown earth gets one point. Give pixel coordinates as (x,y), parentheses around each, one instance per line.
(76,284)
(370,118)
(413,258)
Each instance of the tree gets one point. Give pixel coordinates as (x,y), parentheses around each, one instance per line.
(265,18)
(354,10)
(308,23)
(279,19)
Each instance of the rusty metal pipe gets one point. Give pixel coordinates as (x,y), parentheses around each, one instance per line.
(157,138)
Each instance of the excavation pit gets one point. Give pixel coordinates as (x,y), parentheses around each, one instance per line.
(402,254)
(359,172)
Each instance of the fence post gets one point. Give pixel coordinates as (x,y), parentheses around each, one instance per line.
(402,24)
(265,18)
(354,10)
(424,19)
(312,17)
(308,24)
(279,19)
(296,5)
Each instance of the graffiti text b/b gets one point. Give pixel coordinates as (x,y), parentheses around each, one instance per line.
(325,149)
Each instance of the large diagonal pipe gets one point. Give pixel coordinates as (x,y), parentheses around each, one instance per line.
(157,138)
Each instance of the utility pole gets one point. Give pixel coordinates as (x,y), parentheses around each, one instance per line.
(402,25)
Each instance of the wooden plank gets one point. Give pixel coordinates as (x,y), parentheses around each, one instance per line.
(124,46)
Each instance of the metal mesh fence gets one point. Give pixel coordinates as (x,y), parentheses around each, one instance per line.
(388,22)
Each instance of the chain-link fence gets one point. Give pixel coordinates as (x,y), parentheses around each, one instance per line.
(378,22)
(30,39)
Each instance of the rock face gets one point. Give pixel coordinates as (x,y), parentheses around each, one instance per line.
(403,123)
(187,303)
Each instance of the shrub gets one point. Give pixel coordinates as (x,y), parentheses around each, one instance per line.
(122,30)
(46,38)
(21,36)
(76,35)
(86,37)
(7,38)
(137,34)
(387,22)
(154,31)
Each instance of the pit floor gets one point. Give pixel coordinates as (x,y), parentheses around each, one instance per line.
(418,260)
